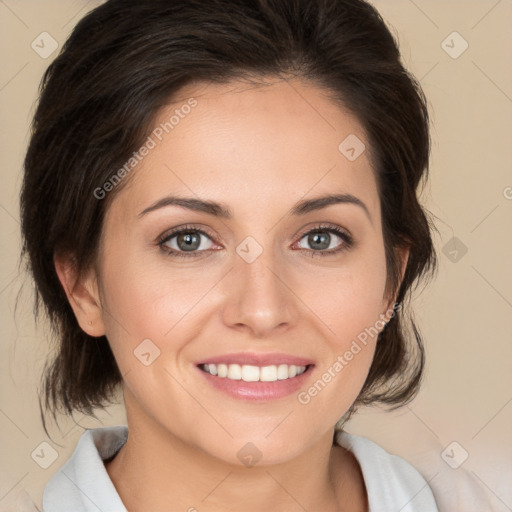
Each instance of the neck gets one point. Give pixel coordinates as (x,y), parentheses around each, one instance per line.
(155,468)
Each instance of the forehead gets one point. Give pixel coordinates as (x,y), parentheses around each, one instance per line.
(252,146)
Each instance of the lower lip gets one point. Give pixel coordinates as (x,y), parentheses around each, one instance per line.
(258,391)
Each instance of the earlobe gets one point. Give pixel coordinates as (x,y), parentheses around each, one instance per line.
(82,293)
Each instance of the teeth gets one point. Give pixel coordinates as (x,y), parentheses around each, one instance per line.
(222,369)
(268,374)
(249,373)
(283,372)
(234,372)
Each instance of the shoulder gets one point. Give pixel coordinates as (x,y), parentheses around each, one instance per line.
(82,483)
(391,482)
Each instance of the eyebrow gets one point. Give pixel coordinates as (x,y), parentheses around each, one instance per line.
(218,210)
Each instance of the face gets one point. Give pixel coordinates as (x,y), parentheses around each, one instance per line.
(222,256)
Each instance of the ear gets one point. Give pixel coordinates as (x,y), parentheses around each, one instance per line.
(403,256)
(82,293)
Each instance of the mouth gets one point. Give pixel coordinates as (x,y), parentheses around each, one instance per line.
(256,377)
(250,373)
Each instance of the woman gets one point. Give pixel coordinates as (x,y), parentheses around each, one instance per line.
(220,213)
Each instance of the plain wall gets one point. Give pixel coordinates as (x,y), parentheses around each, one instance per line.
(465,315)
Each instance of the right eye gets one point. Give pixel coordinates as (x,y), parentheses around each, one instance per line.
(185,242)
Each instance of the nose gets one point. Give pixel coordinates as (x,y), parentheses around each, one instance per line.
(258,298)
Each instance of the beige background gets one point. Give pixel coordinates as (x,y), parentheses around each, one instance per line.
(465,315)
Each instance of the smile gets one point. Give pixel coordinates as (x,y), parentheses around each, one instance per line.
(250,373)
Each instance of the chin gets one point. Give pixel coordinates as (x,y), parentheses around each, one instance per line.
(257,450)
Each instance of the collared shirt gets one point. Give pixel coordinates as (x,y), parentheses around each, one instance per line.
(82,484)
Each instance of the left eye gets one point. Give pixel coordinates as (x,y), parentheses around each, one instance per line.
(324,239)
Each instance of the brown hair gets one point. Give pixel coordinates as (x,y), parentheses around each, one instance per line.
(125,60)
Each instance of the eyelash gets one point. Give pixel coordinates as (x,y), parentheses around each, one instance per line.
(346,245)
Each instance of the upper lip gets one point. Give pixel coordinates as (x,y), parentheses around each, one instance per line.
(252,359)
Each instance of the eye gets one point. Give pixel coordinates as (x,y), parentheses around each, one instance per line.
(326,240)
(189,241)
(186,241)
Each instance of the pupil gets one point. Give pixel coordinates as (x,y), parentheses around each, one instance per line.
(188,241)
(319,240)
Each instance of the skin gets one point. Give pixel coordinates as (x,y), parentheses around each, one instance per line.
(258,151)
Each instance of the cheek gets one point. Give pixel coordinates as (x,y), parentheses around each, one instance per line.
(149,321)
(146,299)
(349,303)
(349,299)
